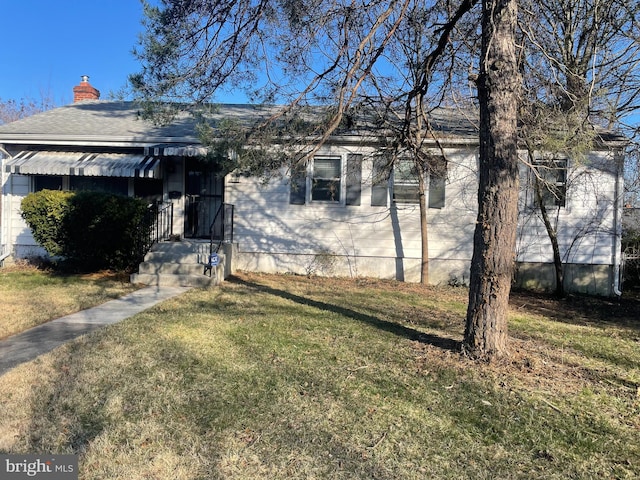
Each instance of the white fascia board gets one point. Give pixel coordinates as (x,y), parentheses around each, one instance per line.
(22,139)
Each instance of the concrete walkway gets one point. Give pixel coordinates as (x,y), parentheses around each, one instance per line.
(32,343)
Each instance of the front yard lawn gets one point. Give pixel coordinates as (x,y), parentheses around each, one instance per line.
(30,297)
(281,377)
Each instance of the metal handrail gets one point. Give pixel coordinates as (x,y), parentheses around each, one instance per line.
(156,225)
(221,227)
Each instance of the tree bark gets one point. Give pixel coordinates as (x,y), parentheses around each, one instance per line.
(495,233)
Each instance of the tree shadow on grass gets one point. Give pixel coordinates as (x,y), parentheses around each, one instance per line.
(385,325)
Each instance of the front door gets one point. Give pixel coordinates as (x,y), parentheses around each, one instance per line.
(204,187)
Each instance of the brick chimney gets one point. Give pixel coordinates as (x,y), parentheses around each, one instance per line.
(85,91)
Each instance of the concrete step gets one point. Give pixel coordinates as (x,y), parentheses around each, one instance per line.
(185,246)
(178,252)
(178,264)
(171,268)
(171,280)
(175,257)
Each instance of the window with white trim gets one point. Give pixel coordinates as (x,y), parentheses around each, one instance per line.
(330,179)
(326,181)
(406,187)
(550,177)
(405,182)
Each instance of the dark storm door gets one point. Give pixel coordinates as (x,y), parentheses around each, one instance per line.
(204,195)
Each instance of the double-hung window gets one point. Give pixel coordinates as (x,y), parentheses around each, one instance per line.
(326,182)
(550,179)
(330,179)
(406,182)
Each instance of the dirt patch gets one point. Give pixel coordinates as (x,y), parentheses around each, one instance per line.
(582,309)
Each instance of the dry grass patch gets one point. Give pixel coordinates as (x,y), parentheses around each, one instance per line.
(278,377)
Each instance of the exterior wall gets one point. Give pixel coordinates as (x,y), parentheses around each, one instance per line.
(15,231)
(273,235)
(585,225)
(335,239)
(588,279)
(587,229)
(328,238)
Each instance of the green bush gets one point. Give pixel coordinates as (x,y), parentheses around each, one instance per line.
(44,212)
(101,231)
(92,230)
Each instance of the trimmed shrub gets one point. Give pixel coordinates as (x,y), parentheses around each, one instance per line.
(44,212)
(102,231)
(91,231)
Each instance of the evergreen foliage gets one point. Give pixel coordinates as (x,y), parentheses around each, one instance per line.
(89,231)
(44,212)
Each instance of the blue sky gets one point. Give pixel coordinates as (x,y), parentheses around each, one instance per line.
(48,44)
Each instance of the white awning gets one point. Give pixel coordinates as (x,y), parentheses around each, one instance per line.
(30,162)
(165,150)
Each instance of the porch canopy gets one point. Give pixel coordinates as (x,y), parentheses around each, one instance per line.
(35,162)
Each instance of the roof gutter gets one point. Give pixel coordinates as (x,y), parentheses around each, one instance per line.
(91,140)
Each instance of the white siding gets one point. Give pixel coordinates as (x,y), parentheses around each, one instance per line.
(585,226)
(15,229)
(373,237)
(273,235)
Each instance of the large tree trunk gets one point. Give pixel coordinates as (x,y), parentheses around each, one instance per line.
(495,234)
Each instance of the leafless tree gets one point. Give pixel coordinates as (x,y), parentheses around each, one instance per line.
(335,53)
(579,62)
(12,110)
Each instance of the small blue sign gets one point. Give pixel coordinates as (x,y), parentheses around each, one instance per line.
(213,260)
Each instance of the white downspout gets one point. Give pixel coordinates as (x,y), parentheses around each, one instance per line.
(4,219)
(617,225)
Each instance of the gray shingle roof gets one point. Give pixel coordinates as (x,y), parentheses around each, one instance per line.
(109,122)
(112,122)
(91,119)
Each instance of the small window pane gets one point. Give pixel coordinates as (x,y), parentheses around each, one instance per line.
(326,191)
(114,185)
(326,168)
(148,188)
(47,182)
(436,191)
(405,194)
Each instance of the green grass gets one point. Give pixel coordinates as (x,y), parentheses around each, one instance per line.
(31,297)
(289,377)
